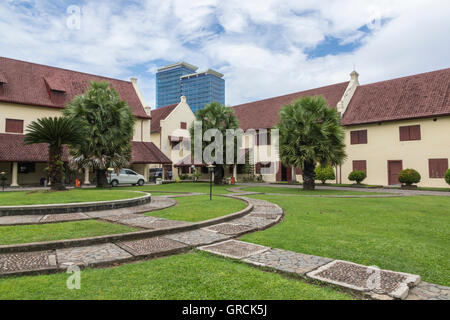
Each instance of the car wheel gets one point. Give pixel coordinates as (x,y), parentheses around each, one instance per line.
(141,182)
(114,183)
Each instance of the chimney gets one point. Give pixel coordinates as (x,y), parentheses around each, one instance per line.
(183,99)
(148,110)
(348,94)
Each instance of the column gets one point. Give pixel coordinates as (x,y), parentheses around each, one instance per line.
(146,172)
(294,177)
(86,176)
(163,173)
(235,172)
(15,170)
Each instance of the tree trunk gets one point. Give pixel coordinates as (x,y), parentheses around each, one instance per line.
(102,182)
(218,174)
(309,176)
(55,167)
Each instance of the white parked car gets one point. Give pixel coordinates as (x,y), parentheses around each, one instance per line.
(125,176)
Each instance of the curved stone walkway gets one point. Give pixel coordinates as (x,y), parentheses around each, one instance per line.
(219,239)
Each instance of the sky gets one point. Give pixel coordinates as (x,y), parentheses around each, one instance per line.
(264,48)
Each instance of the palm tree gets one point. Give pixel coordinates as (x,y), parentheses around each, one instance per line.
(108,125)
(310,133)
(216,116)
(56,132)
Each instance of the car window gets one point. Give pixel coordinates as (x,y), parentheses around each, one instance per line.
(131,172)
(122,171)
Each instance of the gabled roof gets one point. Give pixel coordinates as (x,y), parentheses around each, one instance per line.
(264,113)
(29,83)
(160,114)
(147,152)
(418,96)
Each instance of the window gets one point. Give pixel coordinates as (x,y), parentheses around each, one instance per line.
(360,165)
(263,138)
(408,133)
(437,167)
(358,137)
(183,125)
(26,167)
(14,126)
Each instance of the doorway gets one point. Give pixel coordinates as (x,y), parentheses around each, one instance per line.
(394,168)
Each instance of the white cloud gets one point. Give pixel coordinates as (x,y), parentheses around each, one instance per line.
(258,45)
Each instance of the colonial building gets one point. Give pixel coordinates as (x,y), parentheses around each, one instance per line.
(389,126)
(170,133)
(29,91)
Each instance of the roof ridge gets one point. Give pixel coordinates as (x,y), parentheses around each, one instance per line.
(292,93)
(65,69)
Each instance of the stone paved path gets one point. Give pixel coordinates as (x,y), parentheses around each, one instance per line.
(217,239)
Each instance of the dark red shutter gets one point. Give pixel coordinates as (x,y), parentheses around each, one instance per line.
(14,126)
(360,165)
(404,133)
(183,125)
(258,168)
(414,132)
(363,136)
(437,167)
(354,137)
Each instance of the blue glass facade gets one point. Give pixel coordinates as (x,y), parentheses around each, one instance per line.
(201,89)
(168,84)
(180,79)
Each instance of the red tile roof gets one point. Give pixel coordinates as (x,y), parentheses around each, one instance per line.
(160,114)
(147,152)
(12,149)
(418,96)
(264,113)
(27,84)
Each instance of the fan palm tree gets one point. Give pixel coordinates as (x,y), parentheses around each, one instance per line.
(310,133)
(108,125)
(216,116)
(57,131)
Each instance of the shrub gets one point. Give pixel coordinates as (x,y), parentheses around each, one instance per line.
(357,175)
(447,176)
(409,176)
(324,173)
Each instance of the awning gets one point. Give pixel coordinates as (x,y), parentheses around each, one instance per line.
(12,149)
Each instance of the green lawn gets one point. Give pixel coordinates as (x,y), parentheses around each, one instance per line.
(199,208)
(409,234)
(200,187)
(59,231)
(73,195)
(299,191)
(189,276)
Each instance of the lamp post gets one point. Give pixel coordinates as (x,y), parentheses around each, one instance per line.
(3,179)
(211,172)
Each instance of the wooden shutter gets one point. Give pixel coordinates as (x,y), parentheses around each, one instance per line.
(414,132)
(358,137)
(404,133)
(14,126)
(437,167)
(360,165)
(363,136)
(183,125)
(258,168)
(354,137)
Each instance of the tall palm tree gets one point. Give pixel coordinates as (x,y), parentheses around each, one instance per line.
(57,131)
(310,133)
(216,116)
(108,125)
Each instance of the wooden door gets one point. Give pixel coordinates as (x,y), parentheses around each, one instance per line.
(394,168)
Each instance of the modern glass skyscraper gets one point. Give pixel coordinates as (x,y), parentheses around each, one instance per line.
(180,79)
(168,82)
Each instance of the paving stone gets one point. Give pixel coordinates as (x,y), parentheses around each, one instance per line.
(230,228)
(121,217)
(140,221)
(64,217)
(197,237)
(90,255)
(267,209)
(287,261)
(8,220)
(429,291)
(255,222)
(151,245)
(165,223)
(234,249)
(27,261)
(265,216)
(363,278)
